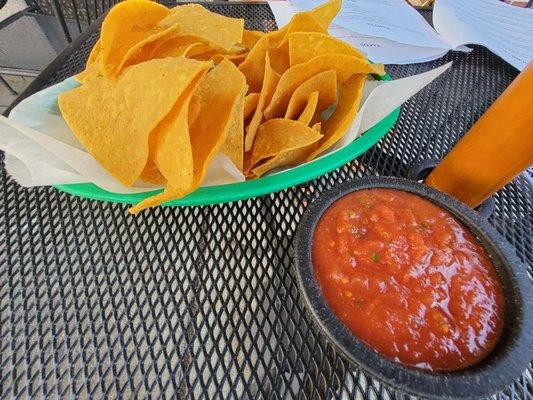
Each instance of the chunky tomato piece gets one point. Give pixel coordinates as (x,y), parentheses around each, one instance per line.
(408,279)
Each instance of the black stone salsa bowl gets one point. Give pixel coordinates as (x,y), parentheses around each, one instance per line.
(500,368)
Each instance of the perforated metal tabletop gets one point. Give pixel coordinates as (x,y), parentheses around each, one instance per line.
(202,302)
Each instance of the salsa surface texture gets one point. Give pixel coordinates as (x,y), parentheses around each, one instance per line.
(408,279)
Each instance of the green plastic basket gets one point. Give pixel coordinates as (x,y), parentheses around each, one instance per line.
(256,187)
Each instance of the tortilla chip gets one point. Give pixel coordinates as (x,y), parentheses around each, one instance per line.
(301,22)
(304,46)
(151,174)
(194,19)
(317,127)
(142,51)
(268,87)
(93,55)
(90,72)
(236,59)
(250,104)
(176,33)
(278,135)
(92,68)
(275,37)
(190,50)
(233,147)
(172,152)
(309,111)
(316,20)
(281,142)
(250,38)
(116,136)
(326,85)
(326,12)
(344,65)
(216,100)
(283,159)
(127,24)
(339,123)
(253,67)
(170,44)
(279,60)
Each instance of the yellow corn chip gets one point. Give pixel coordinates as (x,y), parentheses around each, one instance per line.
(92,67)
(113,123)
(269,85)
(345,66)
(236,59)
(176,32)
(151,174)
(216,99)
(191,50)
(283,159)
(194,19)
(339,123)
(253,67)
(176,126)
(279,134)
(326,85)
(304,46)
(250,38)
(93,55)
(309,110)
(280,142)
(326,12)
(233,147)
(170,44)
(172,152)
(316,20)
(250,104)
(90,72)
(164,91)
(127,24)
(141,51)
(279,60)
(301,22)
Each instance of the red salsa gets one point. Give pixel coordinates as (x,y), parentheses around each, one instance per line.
(408,279)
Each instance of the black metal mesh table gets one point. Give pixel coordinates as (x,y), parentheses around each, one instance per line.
(201,302)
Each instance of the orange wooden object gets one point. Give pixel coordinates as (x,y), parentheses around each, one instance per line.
(495,150)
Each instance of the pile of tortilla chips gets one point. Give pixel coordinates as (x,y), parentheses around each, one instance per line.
(164,90)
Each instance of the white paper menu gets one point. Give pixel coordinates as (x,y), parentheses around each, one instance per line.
(504,29)
(391,19)
(378,47)
(393,32)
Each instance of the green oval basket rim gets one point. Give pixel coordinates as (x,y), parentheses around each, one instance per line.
(253,188)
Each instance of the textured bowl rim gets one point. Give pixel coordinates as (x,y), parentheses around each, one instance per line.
(501,367)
